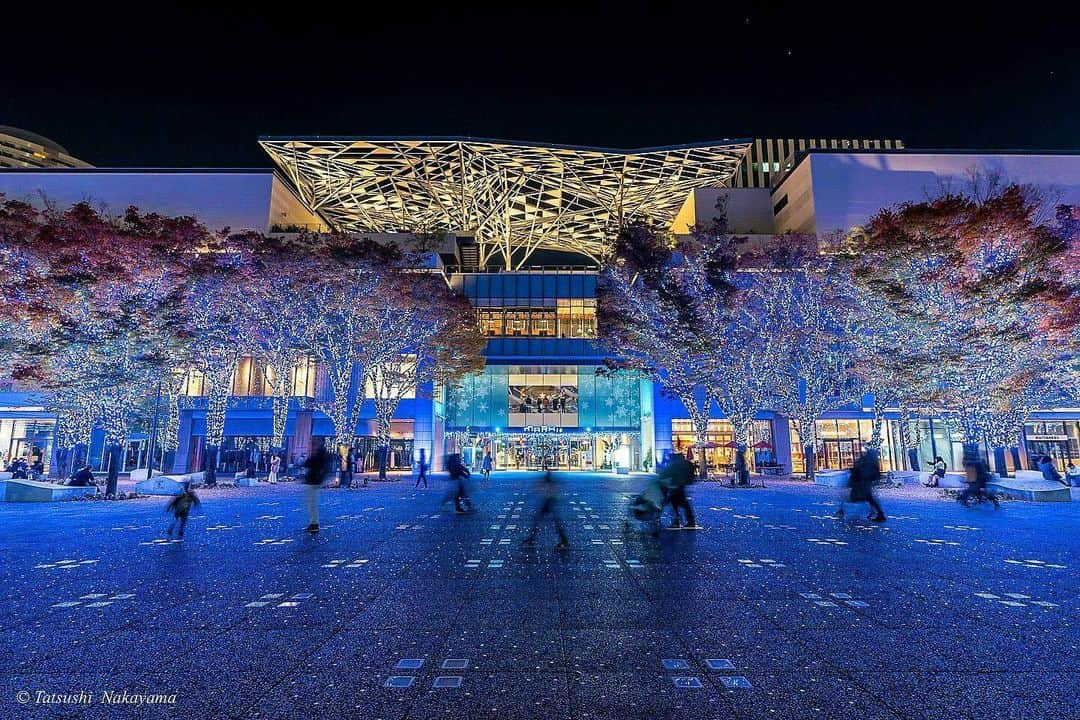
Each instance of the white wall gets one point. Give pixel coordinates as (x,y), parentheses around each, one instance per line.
(848,188)
(238,200)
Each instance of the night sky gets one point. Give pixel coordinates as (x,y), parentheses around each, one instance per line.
(192,85)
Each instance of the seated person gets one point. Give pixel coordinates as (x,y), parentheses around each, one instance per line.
(1049,470)
(1072,474)
(19,469)
(82,477)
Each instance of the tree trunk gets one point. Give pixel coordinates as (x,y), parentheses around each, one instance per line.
(210,465)
(384,414)
(876,427)
(115,454)
(700,440)
(809,459)
(281,414)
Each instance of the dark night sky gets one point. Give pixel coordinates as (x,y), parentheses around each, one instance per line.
(190,84)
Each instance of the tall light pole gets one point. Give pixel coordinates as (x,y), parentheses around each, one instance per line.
(153,434)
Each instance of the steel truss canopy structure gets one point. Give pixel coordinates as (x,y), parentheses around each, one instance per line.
(513,198)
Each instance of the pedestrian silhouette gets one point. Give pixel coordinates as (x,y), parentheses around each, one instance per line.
(675,477)
(864,474)
(459,476)
(977,477)
(180,506)
(421,475)
(316,468)
(549,495)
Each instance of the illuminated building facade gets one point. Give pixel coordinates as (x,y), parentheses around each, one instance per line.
(526,224)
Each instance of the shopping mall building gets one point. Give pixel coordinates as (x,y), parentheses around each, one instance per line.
(527,223)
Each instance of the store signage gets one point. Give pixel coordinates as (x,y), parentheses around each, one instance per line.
(1047,437)
(542,429)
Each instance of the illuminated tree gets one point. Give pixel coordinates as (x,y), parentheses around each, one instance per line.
(806,320)
(216,328)
(423,333)
(972,282)
(94,295)
(659,305)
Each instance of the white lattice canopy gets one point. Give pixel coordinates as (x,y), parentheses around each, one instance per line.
(514,198)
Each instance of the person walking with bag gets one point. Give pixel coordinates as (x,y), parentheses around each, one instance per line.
(861,480)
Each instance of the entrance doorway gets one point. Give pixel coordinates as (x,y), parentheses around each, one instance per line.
(560,451)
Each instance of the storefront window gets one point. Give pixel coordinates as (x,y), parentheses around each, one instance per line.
(1059,440)
(572,318)
(842,442)
(719,452)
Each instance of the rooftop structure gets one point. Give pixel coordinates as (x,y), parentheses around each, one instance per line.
(513,198)
(24,149)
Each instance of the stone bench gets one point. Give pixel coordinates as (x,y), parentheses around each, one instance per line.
(831,478)
(1031,489)
(952,480)
(12,490)
(166,484)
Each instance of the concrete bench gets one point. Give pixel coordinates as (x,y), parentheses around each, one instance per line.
(831,478)
(908,477)
(12,490)
(5,475)
(1030,489)
(166,484)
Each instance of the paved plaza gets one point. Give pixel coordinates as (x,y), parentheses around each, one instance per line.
(400,608)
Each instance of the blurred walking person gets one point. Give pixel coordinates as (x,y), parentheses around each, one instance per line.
(864,474)
(421,475)
(549,494)
(180,507)
(977,477)
(316,468)
(486,466)
(675,477)
(459,475)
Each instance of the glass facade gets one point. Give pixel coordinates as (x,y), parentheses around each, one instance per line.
(1059,439)
(842,441)
(506,397)
(571,318)
(719,450)
(29,439)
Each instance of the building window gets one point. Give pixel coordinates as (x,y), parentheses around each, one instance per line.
(491,322)
(841,442)
(719,453)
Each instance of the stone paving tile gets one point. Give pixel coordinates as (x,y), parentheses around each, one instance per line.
(798,696)
(496,696)
(618,696)
(569,634)
(1020,695)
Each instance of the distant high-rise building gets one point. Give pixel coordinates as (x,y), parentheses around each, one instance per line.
(24,149)
(769,159)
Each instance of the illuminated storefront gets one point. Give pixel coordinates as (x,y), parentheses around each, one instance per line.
(571,417)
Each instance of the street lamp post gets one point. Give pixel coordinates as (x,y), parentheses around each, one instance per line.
(153,434)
